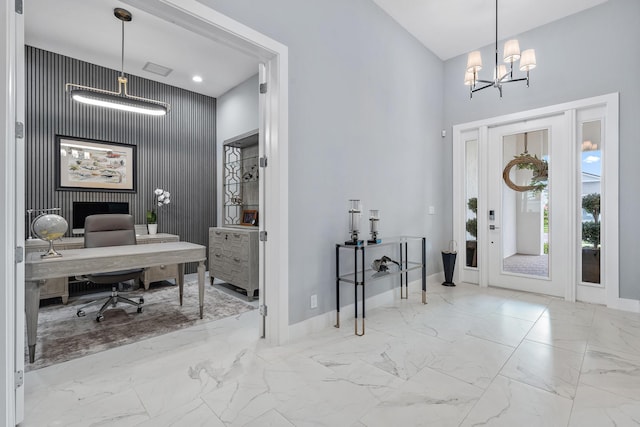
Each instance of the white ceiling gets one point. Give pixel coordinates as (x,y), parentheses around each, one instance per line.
(453,27)
(88,30)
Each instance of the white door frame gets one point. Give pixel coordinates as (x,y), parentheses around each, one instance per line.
(204,20)
(12,196)
(199,18)
(610,228)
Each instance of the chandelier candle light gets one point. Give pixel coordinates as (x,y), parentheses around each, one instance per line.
(374,218)
(355,212)
(500,74)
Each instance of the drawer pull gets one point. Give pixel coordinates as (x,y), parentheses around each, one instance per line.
(236,259)
(236,235)
(218,233)
(217,255)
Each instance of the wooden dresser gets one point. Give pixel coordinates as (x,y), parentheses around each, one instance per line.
(233,257)
(60,287)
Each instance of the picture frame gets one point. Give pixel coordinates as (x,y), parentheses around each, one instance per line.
(249,217)
(83,164)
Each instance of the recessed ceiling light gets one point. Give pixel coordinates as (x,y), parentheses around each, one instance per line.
(197,79)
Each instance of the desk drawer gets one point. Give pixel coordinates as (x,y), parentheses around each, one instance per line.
(158,273)
(58,287)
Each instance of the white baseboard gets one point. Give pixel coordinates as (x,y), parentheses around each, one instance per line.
(591,294)
(625,304)
(328,319)
(597,295)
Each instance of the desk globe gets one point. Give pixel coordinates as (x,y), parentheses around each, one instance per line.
(49,227)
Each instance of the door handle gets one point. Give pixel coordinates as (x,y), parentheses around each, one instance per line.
(493,227)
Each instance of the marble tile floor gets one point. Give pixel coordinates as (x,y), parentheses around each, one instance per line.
(471,357)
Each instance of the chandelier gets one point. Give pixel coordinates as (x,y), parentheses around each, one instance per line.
(500,74)
(120,100)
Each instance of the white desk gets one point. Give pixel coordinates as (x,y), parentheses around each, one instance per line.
(105,259)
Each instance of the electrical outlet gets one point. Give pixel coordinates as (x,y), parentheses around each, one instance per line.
(432,210)
(314,301)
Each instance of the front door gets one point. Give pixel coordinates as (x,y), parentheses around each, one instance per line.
(529,239)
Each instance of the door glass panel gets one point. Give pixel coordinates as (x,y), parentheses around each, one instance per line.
(471,202)
(525,204)
(591,171)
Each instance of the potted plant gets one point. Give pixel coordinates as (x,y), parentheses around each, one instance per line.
(472,229)
(591,235)
(160,198)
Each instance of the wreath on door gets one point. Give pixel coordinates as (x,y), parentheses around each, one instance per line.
(540,169)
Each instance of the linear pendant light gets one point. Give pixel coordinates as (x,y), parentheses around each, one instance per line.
(500,74)
(120,100)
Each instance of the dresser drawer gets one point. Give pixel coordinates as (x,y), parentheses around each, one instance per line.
(233,257)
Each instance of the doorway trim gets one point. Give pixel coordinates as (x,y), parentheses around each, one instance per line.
(218,27)
(10,271)
(212,24)
(610,103)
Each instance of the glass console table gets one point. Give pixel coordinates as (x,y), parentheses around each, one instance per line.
(363,274)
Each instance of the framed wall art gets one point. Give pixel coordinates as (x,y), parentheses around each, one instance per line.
(90,165)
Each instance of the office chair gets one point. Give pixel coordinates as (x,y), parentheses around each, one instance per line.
(110,230)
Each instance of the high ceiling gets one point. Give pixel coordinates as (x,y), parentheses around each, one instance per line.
(87,30)
(453,27)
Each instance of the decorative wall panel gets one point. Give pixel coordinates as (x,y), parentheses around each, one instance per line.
(175,152)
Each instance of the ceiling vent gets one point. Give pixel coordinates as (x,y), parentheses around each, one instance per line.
(157,69)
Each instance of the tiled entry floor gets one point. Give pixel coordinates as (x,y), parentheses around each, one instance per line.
(470,357)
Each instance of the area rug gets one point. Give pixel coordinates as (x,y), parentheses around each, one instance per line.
(63,336)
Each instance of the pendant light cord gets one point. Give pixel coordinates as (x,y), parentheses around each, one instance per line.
(122,55)
(496,67)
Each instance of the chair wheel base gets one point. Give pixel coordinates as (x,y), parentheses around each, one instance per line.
(139,309)
(141,300)
(80,313)
(100,318)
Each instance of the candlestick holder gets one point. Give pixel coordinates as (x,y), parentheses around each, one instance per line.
(355,212)
(374,218)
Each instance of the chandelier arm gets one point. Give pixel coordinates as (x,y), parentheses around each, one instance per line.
(485,81)
(490,84)
(515,80)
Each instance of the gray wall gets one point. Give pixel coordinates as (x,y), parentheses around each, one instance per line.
(365,114)
(588,54)
(237,113)
(237,110)
(175,152)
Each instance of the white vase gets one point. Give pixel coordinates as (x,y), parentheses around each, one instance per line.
(153,228)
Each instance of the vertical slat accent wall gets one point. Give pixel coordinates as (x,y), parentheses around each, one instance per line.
(175,152)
